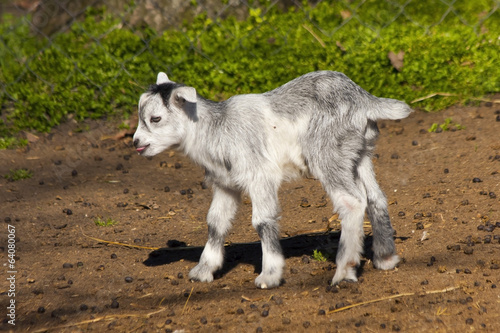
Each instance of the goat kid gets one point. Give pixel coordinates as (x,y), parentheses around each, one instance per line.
(321,124)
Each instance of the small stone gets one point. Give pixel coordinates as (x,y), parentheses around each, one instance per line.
(203,320)
(84,307)
(115,304)
(67,265)
(469,321)
(265,313)
(125,191)
(476,180)
(446,171)
(240,311)
(166,189)
(177,165)
(41,310)
(114,256)
(394,156)
(74,173)
(468,250)
(129,279)
(321,312)
(492,195)
(306,324)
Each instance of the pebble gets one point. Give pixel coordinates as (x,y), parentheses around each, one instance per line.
(129,279)
(177,165)
(67,211)
(41,309)
(203,320)
(476,180)
(84,307)
(469,321)
(166,189)
(67,265)
(240,311)
(115,304)
(265,313)
(74,173)
(469,250)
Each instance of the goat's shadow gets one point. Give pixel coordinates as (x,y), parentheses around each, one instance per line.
(251,253)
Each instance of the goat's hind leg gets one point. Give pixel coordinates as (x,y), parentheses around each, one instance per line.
(222,210)
(384,250)
(351,210)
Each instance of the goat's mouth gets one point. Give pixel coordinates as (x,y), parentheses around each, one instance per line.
(141,150)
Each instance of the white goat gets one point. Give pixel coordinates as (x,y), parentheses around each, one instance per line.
(321,123)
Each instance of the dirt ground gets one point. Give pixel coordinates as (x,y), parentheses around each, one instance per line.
(74,275)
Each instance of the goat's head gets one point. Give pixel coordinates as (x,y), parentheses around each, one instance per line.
(164,113)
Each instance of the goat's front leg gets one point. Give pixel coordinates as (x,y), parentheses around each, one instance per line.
(222,210)
(264,218)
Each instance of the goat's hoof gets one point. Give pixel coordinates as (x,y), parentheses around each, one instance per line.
(201,273)
(344,274)
(386,263)
(267,281)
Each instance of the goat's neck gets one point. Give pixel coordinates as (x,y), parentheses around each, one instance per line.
(198,133)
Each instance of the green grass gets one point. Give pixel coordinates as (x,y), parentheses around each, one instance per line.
(104,222)
(95,70)
(447,125)
(317,255)
(18,174)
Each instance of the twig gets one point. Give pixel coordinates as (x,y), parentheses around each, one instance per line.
(432,95)
(496,101)
(95,320)
(391,297)
(320,41)
(121,244)
(184,308)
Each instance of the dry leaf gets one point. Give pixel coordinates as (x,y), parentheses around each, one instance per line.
(396,60)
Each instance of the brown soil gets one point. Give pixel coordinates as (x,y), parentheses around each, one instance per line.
(72,276)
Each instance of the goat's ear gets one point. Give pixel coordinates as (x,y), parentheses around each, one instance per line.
(162,78)
(185,98)
(185,94)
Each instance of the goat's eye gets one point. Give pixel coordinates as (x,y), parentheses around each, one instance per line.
(155,119)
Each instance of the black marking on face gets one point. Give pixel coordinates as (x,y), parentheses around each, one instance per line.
(164,90)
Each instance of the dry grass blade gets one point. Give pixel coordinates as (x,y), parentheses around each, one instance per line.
(184,308)
(391,297)
(320,41)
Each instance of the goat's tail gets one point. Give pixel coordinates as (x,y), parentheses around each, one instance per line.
(388,108)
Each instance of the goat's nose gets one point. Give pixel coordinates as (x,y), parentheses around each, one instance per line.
(136,143)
